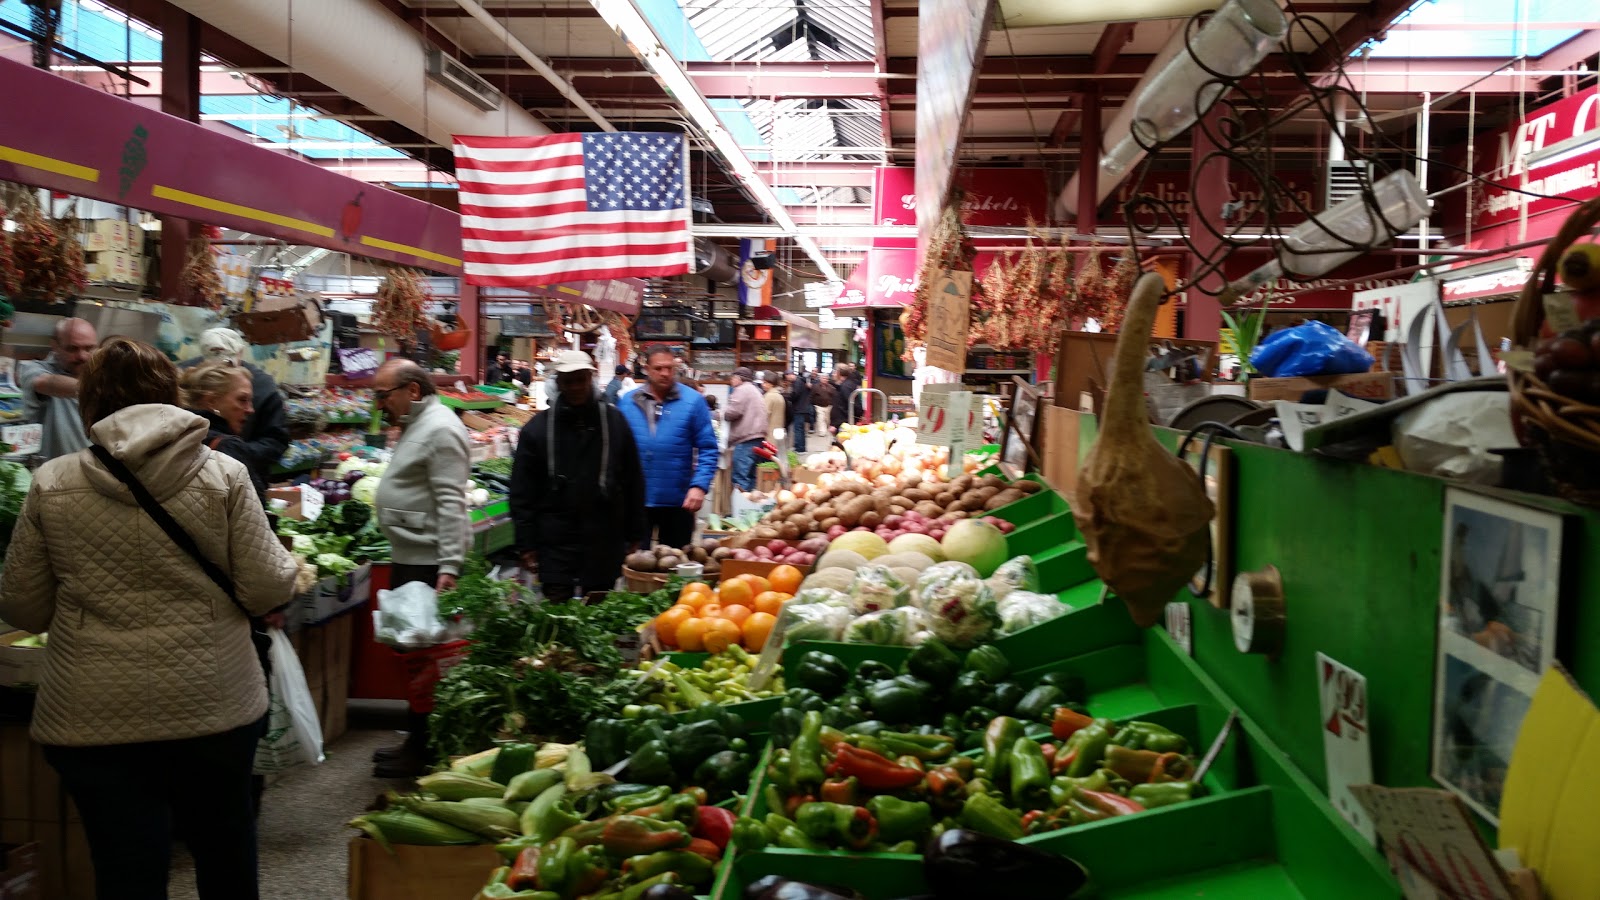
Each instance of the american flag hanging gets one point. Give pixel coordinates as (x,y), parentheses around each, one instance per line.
(573,207)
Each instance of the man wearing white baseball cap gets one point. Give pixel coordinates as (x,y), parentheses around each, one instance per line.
(577,488)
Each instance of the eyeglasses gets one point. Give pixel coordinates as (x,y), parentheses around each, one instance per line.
(382,395)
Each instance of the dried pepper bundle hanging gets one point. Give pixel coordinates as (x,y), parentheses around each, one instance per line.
(948,248)
(10,276)
(622,330)
(397,310)
(1119,285)
(987,327)
(34,247)
(1094,301)
(72,271)
(200,280)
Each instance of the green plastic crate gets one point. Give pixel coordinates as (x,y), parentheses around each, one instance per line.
(1042,535)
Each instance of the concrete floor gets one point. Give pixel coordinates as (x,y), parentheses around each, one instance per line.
(303,837)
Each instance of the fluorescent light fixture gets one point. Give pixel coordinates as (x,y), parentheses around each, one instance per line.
(1321,244)
(1561,151)
(624,18)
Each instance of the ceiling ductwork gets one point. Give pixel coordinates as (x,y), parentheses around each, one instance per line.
(363,51)
(714,263)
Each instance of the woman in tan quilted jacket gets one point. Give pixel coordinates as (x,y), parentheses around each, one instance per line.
(152,698)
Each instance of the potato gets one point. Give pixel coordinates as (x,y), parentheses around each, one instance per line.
(988,491)
(898,509)
(669,562)
(1027,487)
(798,520)
(929,509)
(871,519)
(962,504)
(789,531)
(828,523)
(961,483)
(793,508)
(954,515)
(721,553)
(1002,498)
(825,511)
(764,533)
(916,495)
(699,555)
(644,561)
(944,498)
(850,514)
(972,499)
(994,481)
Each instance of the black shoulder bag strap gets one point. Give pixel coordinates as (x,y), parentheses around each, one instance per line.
(258,628)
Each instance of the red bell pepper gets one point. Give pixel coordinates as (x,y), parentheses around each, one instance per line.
(1112,804)
(705,848)
(525,871)
(1066,723)
(873,772)
(715,825)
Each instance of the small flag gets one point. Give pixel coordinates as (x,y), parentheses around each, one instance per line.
(755,285)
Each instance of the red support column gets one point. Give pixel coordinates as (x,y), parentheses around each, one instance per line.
(467,317)
(180,96)
(1208,190)
(1088,217)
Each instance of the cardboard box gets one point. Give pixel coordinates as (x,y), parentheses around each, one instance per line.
(118,266)
(804,475)
(1366,386)
(100,235)
(418,873)
(330,598)
(278,320)
(296,502)
(19,665)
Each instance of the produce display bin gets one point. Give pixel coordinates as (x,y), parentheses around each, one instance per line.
(417,873)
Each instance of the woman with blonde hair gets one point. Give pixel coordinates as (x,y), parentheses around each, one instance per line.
(220,393)
(145,557)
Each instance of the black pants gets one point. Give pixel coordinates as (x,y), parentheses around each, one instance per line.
(134,797)
(674,525)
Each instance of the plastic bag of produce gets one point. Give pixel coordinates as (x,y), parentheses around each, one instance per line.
(814,621)
(1015,574)
(960,608)
(875,588)
(294,733)
(937,576)
(407,618)
(823,595)
(887,627)
(1021,609)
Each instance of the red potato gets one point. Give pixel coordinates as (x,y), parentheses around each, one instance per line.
(776,546)
(745,555)
(763,553)
(937,534)
(814,545)
(835,531)
(893,521)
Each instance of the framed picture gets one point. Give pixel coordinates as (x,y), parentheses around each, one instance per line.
(1214,581)
(1499,584)
(1017,452)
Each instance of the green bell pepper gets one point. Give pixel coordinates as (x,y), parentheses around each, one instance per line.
(867,728)
(998,741)
(805,755)
(988,661)
(900,820)
(651,764)
(1030,774)
(852,826)
(1039,704)
(872,670)
(977,718)
(732,725)
(804,699)
(599,800)
(688,745)
(724,772)
(950,723)
(821,672)
(903,698)
(934,663)
(1151,796)
(1087,747)
(985,813)
(784,725)
(549,814)
(922,746)
(969,690)
(510,850)
(778,770)
(750,835)
(691,868)
(790,837)
(1071,686)
(1004,697)
(650,797)
(850,709)
(642,734)
(514,759)
(606,740)
(1150,736)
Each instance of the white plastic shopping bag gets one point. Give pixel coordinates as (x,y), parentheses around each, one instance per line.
(294,735)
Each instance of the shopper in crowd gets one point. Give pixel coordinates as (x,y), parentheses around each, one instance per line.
(776,401)
(823,397)
(152,698)
(494,370)
(621,384)
(802,412)
(50,388)
(677,447)
(522,373)
(577,489)
(220,393)
(422,509)
(747,426)
(845,384)
(266,432)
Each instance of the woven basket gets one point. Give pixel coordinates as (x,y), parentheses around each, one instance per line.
(1564,431)
(643,582)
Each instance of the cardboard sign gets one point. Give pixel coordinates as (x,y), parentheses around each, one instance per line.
(948,320)
(357,362)
(1346,740)
(1432,844)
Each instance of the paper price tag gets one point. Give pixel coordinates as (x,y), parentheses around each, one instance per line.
(358,362)
(311,502)
(1180,624)
(1346,743)
(1561,311)
(767,663)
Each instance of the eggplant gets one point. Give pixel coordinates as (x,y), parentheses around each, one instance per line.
(964,864)
(667,892)
(776,887)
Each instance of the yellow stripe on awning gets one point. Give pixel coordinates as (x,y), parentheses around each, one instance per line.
(48,164)
(234,209)
(418,252)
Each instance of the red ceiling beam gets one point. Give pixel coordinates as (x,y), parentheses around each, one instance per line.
(880,59)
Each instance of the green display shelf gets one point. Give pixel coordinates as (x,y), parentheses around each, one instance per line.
(458,403)
(494,510)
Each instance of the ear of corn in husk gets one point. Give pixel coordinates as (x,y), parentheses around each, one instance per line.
(492,822)
(479,764)
(455,786)
(402,826)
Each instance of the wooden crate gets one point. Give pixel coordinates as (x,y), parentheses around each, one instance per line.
(34,809)
(417,873)
(338,634)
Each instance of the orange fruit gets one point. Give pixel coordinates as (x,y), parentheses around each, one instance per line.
(692,588)
(721,634)
(756,629)
(785,578)
(770,602)
(737,592)
(736,614)
(711,611)
(757,583)
(667,623)
(692,634)
(696,601)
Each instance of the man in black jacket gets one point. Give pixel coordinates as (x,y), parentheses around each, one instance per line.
(845,383)
(266,432)
(577,489)
(801,411)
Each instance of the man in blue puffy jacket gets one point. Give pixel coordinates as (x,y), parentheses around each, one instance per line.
(677,447)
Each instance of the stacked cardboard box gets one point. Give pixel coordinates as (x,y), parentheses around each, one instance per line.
(113,251)
(34,810)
